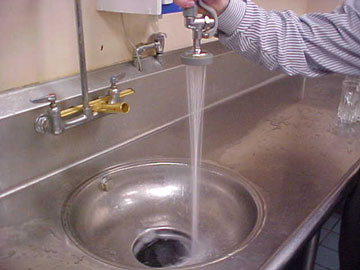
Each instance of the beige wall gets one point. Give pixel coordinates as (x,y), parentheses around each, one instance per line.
(38,38)
(323,5)
(299,6)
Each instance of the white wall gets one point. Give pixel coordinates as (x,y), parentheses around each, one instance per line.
(38,37)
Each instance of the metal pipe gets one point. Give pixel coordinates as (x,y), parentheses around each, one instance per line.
(197,42)
(82,60)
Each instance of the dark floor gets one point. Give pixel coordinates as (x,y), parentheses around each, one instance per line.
(327,256)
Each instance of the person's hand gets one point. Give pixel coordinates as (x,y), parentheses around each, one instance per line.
(218,5)
(185,3)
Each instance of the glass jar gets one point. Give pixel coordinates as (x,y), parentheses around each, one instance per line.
(349,107)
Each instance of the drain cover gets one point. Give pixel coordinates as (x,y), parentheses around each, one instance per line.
(162,248)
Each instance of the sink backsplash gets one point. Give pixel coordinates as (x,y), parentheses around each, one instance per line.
(160,99)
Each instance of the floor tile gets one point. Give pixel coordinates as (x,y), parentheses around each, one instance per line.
(327,258)
(337,227)
(319,267)
(331,241)
(331,222)
(323,234)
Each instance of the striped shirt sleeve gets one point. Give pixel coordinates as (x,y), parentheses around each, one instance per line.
(311,45)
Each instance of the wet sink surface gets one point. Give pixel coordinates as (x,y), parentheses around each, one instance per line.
(287,146)
(151,201)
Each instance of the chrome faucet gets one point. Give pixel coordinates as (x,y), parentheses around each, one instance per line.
(51,121)
(157,43)
(114,91)
(56,121)
(202,26)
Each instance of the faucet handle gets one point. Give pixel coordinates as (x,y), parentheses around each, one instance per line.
(159,36)
(114,80)
(45,99)
(212,27)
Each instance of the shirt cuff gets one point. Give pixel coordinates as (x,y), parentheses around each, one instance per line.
(232,16)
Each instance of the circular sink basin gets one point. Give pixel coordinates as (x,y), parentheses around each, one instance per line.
(139,215)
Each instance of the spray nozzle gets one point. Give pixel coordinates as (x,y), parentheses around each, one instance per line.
(203,27)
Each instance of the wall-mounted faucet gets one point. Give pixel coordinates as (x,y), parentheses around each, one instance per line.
(156,43)
(56,121)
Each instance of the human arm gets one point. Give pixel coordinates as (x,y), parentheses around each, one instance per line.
(310,45)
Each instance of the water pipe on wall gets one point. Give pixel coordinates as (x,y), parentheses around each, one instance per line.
(82,60)
(56,121)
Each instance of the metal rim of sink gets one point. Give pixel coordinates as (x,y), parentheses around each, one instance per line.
(212,168)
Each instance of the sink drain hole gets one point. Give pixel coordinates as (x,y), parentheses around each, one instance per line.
(162,248)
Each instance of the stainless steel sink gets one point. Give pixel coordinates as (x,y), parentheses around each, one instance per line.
(120,215)
(278,132)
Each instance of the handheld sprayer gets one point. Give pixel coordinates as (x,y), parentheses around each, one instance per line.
(203,27)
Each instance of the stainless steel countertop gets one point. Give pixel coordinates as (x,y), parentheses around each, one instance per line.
(282,139)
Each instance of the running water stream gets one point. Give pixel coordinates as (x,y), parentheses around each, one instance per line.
(196,76)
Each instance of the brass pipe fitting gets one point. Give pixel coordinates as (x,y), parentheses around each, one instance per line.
(101,105)
(111,108)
